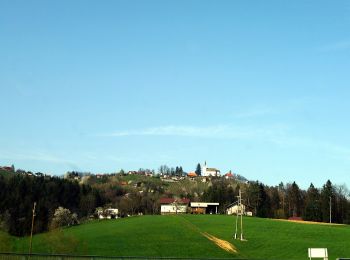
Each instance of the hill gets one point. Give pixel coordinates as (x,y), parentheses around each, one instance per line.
(192,236)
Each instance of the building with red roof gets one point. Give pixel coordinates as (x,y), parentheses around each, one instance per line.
(173,205)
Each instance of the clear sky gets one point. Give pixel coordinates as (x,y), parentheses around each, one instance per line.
(257,87)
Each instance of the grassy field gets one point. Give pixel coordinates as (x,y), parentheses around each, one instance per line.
(189,236)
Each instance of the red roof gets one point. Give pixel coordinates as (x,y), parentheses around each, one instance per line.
(192,174)
(229,174)
(7,168)
(172,200)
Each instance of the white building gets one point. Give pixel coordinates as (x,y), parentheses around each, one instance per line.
(234,209)
(206,171)
(204,207)
(109,213)
(173,206)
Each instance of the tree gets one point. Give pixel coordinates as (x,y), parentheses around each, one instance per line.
(295,201)
(164,170)
(64,218)
(252,195)
(263,206)
(312,210)
(181,171)
(198,170)
(327,197)
(276,209)
(342,205)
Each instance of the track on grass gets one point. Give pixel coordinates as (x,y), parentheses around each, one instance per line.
(223,244)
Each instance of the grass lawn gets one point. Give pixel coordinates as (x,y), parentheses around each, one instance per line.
(189,236)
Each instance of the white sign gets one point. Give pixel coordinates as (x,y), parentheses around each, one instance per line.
(318,253)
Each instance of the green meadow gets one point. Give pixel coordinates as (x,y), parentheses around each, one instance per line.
(187,236)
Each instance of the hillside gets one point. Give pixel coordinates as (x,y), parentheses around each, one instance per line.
(192,236)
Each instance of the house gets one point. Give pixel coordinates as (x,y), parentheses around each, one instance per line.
(8,168)
(192,175)
(109,213)
(173,206)
(233,208)
(206,171)
(229,176)
(204,207)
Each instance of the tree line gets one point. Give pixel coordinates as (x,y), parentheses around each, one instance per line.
(330,203)
(19,192)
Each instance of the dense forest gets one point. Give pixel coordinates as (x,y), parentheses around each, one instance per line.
(19,192)
(139,193)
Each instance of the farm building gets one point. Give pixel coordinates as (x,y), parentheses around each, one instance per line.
(173,206)
(204,207)
(233,208)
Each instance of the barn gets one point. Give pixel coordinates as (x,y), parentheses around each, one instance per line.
(204,207)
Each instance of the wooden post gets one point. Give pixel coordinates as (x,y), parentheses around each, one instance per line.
(330,209)
(31,232)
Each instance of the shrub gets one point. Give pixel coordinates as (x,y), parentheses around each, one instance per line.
(63,218)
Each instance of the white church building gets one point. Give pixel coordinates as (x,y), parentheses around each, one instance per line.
(206,171)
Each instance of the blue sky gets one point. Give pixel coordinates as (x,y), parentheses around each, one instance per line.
(257,87)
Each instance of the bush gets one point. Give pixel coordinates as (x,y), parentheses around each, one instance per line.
(64,218)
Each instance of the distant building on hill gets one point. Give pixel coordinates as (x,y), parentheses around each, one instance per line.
(192,175)
(229,175)
(207,172)
(8,168)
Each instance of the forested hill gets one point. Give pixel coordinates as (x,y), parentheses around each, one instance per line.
(19,192)
(137,193)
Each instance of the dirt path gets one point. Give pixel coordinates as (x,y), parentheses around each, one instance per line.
(227,246)
(309,222)
(223,244)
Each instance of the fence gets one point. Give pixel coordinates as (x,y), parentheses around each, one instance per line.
(15,256)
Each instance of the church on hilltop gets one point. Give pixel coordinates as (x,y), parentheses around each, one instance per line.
(207,172)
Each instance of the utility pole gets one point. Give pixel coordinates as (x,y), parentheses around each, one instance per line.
(237,217)
(239,212)
(330,209)
(31,232)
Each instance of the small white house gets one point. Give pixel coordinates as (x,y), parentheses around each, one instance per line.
(173,206)
(109,213)
(235,209)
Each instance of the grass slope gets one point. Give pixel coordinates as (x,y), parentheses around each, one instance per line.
(181,236)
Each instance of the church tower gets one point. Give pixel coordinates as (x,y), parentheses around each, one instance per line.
(204,169)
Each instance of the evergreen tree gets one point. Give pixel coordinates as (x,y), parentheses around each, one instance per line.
(312,205)
(198,170)
(295,202)
(252,195)
(327,201)
(181,171)
(263,203)
(275,203)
